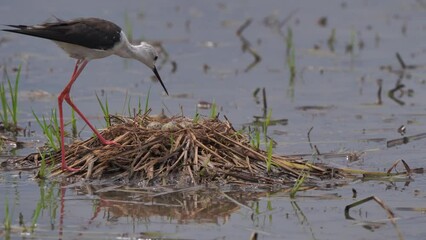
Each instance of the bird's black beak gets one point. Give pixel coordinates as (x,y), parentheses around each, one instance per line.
(159,79)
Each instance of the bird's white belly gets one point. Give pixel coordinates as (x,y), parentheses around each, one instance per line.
(79,52)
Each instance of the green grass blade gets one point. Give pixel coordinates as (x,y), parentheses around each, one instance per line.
(105,110)
(196,116)
(147,100)
(129,109)
(139,106)
(269,156)
(126,100)
(48,131)
(297,185)
(42,172)
(213,110)
(14,96)
(3,99)
(7,222)
(54,123)
(128,26)
(73,123)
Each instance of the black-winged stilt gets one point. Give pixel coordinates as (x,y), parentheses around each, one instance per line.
(85,39)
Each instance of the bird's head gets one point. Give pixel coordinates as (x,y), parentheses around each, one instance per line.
(147,54)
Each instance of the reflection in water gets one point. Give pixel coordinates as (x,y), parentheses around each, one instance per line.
(199,204)
(399,86)
(374,225)
(405,140)
(121,204)
(246,46)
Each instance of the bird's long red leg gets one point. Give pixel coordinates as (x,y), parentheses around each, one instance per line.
(61,117)
(79,66)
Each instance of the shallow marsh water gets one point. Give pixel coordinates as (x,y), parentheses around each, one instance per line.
(335,92)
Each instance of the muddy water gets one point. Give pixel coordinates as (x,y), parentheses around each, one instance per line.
(335,92)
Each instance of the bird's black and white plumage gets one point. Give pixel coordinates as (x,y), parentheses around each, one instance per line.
(91,38)
(93,33)
(85,39)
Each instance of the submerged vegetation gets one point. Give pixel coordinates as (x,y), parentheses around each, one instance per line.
(7,220)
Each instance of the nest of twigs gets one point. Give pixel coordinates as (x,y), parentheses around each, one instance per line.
(179,150)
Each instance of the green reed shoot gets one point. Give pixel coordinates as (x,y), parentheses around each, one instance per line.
(105,110)
(126,103)
(7,222)
(292,68)
(289,41)
(43,170)
(4,116)
(268,118)
(350,47)
(172,139)
(196,116)
(55,126)
(269,156)
(213,110)
(353,38)
(255,138)
(129,108)
(332,40)
(50,129)
(147,100)
(139,106)
(12,107)
(138,110)
(266,124)
(297,185)
(73,124)
(14,96)
(291,60)
(128,27)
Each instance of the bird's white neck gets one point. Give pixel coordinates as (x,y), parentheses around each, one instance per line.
(124,49)
(143,52)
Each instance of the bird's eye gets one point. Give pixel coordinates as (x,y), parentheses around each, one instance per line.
(155,58)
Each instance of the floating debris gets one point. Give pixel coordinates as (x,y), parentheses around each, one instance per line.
(322,21)
(204,105)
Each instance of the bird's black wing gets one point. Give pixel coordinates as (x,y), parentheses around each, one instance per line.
(92,33)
